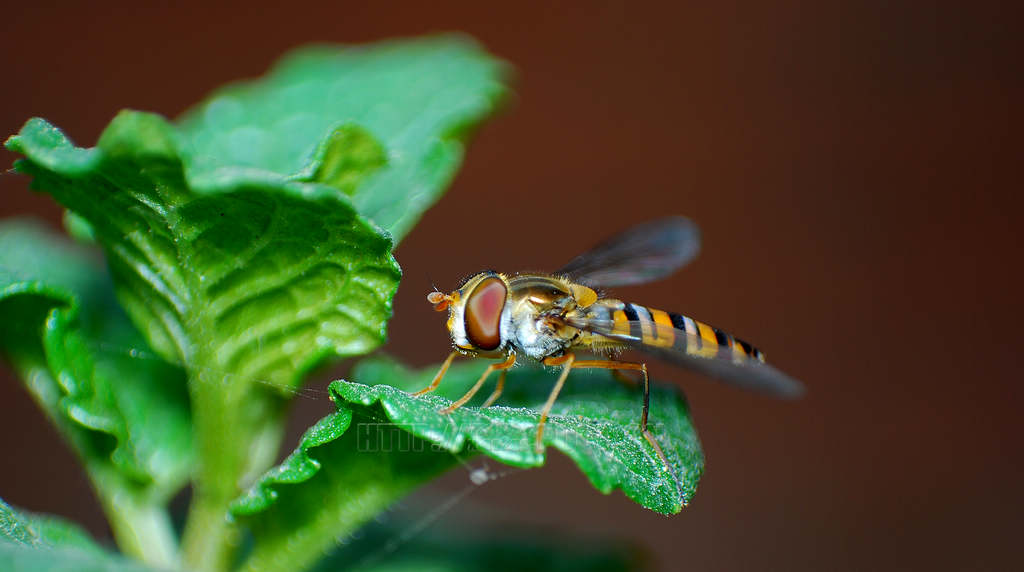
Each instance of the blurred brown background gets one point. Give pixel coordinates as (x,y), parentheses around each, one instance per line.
(855,171)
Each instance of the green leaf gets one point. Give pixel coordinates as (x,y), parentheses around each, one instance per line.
(595,422)
(248,283)
(264,275)
(41,531)
(78,228)
(236,241)
(342,473)
(347,157)
(61,319)
(17,558)
(77,352)
(328,487)
(419,98)
(32,542)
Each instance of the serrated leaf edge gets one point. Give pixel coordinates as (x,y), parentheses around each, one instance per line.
(297,468)
(72,404)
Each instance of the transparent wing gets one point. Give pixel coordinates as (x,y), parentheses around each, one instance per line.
(643,253)
(729,363)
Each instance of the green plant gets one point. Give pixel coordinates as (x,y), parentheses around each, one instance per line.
(247,243)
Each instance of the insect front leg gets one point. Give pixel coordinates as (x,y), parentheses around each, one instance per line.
(440,374)
(503,366)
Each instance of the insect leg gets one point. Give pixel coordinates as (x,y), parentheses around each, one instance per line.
(440,374)
(623,379)
(476,387)
(497,390)
(567,360)
(617,367)
(642,368)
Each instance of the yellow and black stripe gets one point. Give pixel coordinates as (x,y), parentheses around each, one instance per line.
(657,328)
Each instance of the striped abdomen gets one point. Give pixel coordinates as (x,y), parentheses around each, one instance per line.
(669,331)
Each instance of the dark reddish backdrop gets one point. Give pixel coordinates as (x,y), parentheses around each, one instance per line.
(855,173)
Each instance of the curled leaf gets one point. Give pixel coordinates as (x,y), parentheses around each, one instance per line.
(382,442)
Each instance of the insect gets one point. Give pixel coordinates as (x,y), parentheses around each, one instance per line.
(550,317)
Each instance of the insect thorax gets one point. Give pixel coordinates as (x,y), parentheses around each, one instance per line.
(534,299)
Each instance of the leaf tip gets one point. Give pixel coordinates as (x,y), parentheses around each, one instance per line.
(43,143)
(347,156)
(140,134)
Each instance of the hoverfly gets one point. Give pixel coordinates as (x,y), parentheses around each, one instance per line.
(549,317)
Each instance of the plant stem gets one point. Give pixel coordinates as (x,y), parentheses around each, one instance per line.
(142,530)
(237,435)
(209,538)
(137,517)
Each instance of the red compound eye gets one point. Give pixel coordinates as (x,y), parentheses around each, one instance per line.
(483,314)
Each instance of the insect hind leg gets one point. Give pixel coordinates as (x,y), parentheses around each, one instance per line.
(624,379)
(617,367)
